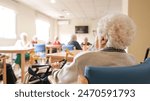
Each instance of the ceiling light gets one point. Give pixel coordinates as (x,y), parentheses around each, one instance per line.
(53,1)
(67,13)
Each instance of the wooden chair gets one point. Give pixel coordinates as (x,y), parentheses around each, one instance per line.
(3,59)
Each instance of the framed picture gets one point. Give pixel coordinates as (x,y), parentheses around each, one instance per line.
(81,29)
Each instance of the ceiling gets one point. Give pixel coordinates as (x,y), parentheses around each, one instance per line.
(75,9)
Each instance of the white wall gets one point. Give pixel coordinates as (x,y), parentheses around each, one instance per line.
(65,31)
(125,6)
(26,23)
(25,20)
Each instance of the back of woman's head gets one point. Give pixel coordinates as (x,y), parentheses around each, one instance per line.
(85,39)
(73,37)
(119,30)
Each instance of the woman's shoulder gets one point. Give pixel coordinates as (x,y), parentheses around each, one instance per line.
(88,54)
(82,43)
(73,42)
(88,43)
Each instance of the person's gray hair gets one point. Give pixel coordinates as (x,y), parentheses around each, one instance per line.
(73,37)
(119,29)
(23,35)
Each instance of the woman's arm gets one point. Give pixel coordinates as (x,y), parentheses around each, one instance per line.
(68,74)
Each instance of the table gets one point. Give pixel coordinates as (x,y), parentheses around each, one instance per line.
(55,57)
(22,51)
(50,47)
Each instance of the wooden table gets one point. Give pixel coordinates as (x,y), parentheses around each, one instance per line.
(55,57)
(51,47)
(22,51)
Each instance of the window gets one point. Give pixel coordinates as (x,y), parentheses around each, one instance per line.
(7,23)
(42,29)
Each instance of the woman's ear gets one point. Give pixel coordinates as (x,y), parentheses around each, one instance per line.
(103,41)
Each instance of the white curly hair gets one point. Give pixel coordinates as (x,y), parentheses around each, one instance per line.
(119,30)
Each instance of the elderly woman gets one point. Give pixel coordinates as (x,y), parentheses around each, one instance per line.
(22,43)
(74,42)
(34,40)
(115,34)
(56,42)
(85,42)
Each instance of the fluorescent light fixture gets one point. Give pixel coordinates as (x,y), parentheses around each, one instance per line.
(63,22)
(66,12)
(53,1)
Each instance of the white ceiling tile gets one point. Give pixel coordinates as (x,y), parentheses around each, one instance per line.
(89,9)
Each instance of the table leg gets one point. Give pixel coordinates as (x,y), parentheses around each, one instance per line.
(50,50)
(22,66)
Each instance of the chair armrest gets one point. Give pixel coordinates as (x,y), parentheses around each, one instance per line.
(82,79)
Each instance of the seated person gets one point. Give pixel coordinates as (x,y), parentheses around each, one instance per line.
(115,34)
(56,42)
(85,45)
(22,43)
(74,42)
(34,40)
(86,42)
(48,42)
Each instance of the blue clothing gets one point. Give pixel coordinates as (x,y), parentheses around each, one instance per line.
(76,44)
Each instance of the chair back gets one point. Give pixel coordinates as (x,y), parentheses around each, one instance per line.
(40,49)
(69,47)
(136,74)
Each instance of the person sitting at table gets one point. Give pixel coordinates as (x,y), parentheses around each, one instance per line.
(85,44)
(73,41)
(115,33)
(34,40)
(56,42)
(22,43)
(48,42)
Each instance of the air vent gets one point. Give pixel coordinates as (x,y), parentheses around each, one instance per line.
(63,22)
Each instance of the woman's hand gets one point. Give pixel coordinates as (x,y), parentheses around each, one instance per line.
(55,65)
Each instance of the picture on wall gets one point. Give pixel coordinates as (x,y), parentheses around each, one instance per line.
(81,29)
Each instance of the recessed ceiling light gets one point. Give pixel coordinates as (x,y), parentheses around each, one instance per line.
(53,1)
